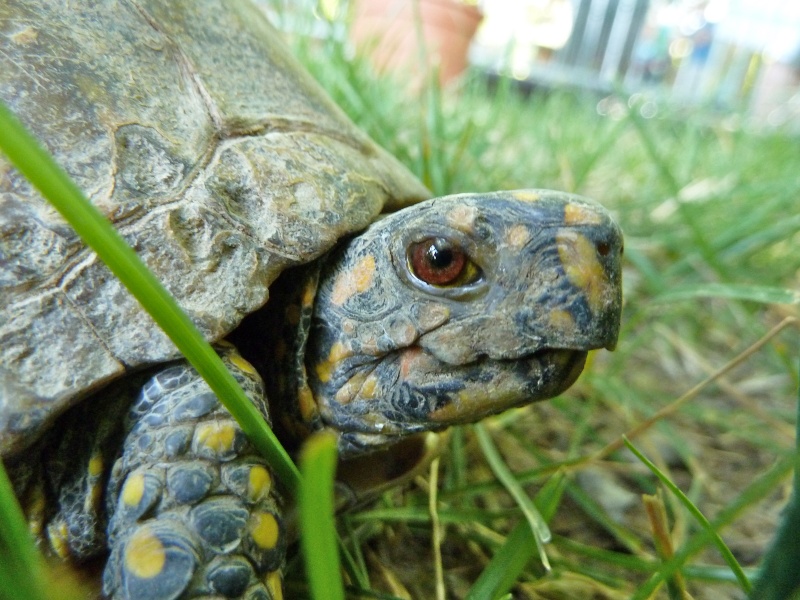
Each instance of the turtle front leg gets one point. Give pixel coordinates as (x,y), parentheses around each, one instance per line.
(193,511)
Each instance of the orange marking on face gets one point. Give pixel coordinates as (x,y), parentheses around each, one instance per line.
(355,281)
(578,214)
(432,315)
(463,218)
(370,387)
(349,390)
(337,353)
(579,259)
(407,359)
(561,320)
(518,236)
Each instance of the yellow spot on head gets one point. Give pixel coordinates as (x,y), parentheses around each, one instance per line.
(258,484)
(144,555)
(241,364)
(264,530)
(217,437)
(370,386)
(337,353)
(526,196)
(463,218)
(578,214)
(324,371)
(579,259)
(518,236)
(95,465)
(133,490)
(348,391)
(355,281)
(561,320)
(273,583)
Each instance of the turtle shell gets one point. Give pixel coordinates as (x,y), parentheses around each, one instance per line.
(192,128)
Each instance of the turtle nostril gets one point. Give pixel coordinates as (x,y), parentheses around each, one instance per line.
(603,248)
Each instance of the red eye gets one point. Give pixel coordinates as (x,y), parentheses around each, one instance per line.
(437,261)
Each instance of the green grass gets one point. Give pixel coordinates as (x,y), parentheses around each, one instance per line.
(712,222)
(711,212)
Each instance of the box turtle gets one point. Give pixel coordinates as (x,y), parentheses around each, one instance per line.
(235,178)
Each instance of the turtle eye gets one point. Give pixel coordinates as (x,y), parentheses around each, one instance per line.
(442,263)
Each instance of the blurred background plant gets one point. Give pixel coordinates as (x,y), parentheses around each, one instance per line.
(669,114)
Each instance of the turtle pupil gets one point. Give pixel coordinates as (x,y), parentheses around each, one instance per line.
(439,254)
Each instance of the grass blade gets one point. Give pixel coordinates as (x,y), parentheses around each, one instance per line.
(727,555)
(22,571)
(508,562)
(317,526)
(35,163)
(753,293)
(541,532)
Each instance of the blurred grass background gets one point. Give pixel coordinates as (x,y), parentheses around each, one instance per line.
(711,212)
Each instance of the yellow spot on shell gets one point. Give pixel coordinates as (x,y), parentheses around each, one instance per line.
(561,320)
(579,258)
(577,214)
(518,236)
(264,530)
(96,465)
(355,281)
(57,536)
(463,218)
(133,490)
(144,555)
(217,437)
(259,483)
(241,364)
(273,583)
(526,196)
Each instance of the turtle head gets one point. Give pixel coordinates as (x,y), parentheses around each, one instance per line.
(461,307)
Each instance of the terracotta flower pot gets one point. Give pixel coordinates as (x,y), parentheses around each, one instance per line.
(387,32)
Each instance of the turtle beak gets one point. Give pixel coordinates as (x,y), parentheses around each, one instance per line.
(591,253)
